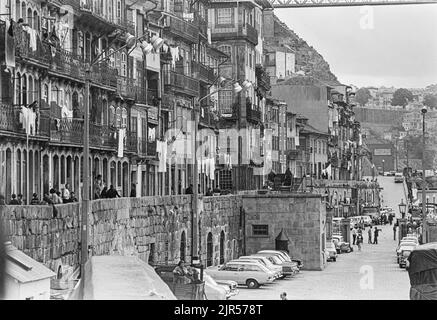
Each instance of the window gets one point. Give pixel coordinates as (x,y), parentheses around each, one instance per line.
(260,230)
(45,93)
(123,65)
(225,101)
(226,49)
(118,118)
(118,9)
(224,15)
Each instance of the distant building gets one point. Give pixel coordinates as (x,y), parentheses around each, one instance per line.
(26,279)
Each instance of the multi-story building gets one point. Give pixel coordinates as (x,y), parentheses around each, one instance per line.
(236,29)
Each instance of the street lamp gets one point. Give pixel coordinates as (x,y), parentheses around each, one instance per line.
(383,170)
(237,88)
(424,111)
(402,208)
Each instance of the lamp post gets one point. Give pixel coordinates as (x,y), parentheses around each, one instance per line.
(131,42)
(424,209)
(195,259)
(383,169)
(402,208)
(402,221)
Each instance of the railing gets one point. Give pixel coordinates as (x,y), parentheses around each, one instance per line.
(202,24)
(43,126)
(203,73)
(105,75)
(9,119)
(102,136)
(151,149)
(182,82)
(131,142)
(41,52)
(126,87)
(182,29)
(66,130)
(144,96)
(146,148)
(68,63)
(247,31)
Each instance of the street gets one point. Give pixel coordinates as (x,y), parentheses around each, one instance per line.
(371,274)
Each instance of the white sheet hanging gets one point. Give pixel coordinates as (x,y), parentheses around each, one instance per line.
(121,135)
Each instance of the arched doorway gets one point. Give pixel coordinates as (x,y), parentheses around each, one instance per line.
(209,249)
(126,179)
(222,247)
(8,175)
(183,246)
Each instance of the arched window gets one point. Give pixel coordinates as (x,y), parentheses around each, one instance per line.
(45,93)
(35,20)
(30,17)
(111,115)
(124,118)
(30,94)
(118,118)
(55,95)
(24,91)
(23,11)
(18,89)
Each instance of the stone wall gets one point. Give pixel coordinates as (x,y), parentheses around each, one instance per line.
(303,218)
(125,226)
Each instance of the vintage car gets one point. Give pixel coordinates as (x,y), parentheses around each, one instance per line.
(399,177)
(251,274)
(284,255)
(405,253)
(232,285)
(293,259)
(404,246)
(267,263)
(422,271)
(340,245)
(330,251)
(288,268)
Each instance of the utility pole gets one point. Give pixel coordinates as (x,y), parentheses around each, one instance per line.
(424,111)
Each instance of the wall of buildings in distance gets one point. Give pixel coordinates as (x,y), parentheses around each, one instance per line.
(378,115)
(309,101)
(160,226)
(302,217)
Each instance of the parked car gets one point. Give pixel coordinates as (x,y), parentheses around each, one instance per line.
(232,285)
(392,173)
(411,238)
(399,177)
(405,253)
(408,246)
(288,268)
(267,263)
(340,245)
(250,274)
(330,251)
(285,256)
(213,290)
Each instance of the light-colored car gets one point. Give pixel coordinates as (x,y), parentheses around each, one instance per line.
(288,268)
(399,177)
(404,246)
(331,251)
(267,263)
(232,285)
(250,274)
(403,257)
(340,245)
(213,290)
(411,239)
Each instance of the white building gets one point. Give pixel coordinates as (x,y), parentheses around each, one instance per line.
(26,278)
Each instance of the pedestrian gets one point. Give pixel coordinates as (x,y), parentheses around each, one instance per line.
(66,193)
(73,197)
(354,235)
(359,241)
(58,193)
(35,201)
(369,233)
(189,190)
(390,218)
(283,296)
(14,201)
(47,199)
(54,197)
(104,193)
(112,193)
(133,191)
(394,232)
(375,235)
(20,199)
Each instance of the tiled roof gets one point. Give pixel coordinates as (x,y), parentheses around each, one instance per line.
(23,268)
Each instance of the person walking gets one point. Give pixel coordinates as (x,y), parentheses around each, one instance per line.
(390,218)
(394,232)
(375,235)
(354,235)
(369,233)
(359,241)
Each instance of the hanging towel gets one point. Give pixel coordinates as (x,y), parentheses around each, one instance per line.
(32,38)
(121,135)
(28,118)
(165,48)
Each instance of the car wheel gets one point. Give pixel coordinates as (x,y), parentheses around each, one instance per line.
(252,284)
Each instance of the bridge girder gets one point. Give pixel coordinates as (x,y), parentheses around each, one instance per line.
(342,3)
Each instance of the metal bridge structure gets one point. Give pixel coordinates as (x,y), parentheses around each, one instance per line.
(277,4)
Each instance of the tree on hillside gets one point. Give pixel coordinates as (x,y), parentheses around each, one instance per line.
(401,97)
(430,100)
(362,96)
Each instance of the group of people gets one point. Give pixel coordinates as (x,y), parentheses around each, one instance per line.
(101,191)
(53,197)
(185,274)
(357,235)
(383,219)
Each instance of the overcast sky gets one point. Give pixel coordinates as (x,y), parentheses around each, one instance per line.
(400,50)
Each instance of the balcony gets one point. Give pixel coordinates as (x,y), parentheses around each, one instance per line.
(253,115)
(40,54)
(247,32)
(207,118)
(9,119)
(131,142)
(66,131)
(203,73)
(182,29)
(146,148)
(202,24)
(68,63)
(181,83)
(146,96)
(103,137)
(127,88)
(102,74)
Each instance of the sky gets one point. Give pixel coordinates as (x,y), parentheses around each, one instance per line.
(372,46)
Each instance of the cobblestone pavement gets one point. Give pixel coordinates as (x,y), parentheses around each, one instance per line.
(344,279)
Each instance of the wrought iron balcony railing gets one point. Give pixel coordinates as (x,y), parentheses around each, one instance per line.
(9,119)
(245,31)
(203,73)
(104,75)
(182,29)
(67,130)
(24,49)
(103,136)
(68,63)
(181,82)
(253,114)
(127,87)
